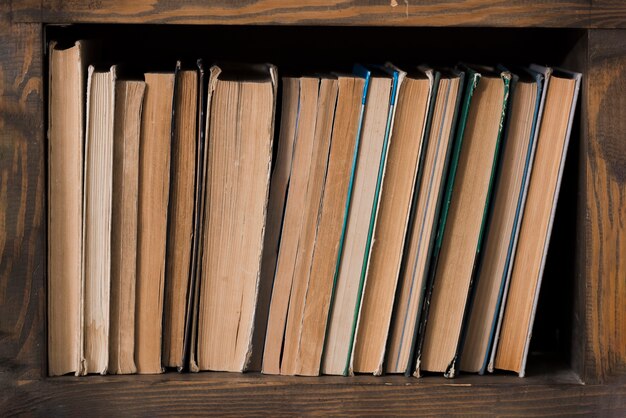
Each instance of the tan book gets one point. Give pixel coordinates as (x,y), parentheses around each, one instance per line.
(66,126)
(516,161)
(421,228)
(464,223)
(371,152)
(383,267)
(97,210)
(128,104)
(154,181)
(316,111)
(240,136)
(180,216)
(266,351)
(288,290)
(534,235)
(334,206)
(314,313)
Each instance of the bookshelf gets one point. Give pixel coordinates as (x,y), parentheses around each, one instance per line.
(582,371)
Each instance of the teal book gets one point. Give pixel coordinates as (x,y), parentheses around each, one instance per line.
(459,240)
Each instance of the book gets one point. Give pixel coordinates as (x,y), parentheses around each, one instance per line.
(421,230)
(507,208)
(239,139)
(308,302)
(66,127)
(464,218)
(279,185)
(370,161)
(294,223)
(97,209)
(191,327)
(536,224)
(180,215)
(128,104)
(347,125)
(409,103)
(296,137)
(154,181)
(314,311)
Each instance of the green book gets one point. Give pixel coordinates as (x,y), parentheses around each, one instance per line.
(463,215)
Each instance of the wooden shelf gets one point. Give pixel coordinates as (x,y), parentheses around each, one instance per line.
(588,290)
(513,13)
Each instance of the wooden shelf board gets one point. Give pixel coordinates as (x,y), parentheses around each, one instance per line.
(514,13)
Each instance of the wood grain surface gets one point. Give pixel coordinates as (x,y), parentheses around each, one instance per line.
(605,209)
(22,204)
(236,395)
(510,13)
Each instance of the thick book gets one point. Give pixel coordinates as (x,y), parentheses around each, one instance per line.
(536,224)
(335,204)
(406,124)
(370,162)
(154,181)
(97,208)
(312,316)
(180,215)
(437,144)
(302,207)
(464,219)
(507,207)
(128,104)
(307,311)
(279,184)
(239,137)
(66,128)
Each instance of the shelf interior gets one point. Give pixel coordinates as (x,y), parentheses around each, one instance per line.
(309,49)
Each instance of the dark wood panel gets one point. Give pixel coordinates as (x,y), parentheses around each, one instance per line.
(22,210)
(605,226)
(608,14)
(232,394)
(516,13)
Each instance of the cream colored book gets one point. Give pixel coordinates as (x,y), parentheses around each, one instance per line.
(66,129)
(240,135)
(97,211)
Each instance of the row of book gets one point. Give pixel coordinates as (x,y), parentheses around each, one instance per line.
(400,224)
